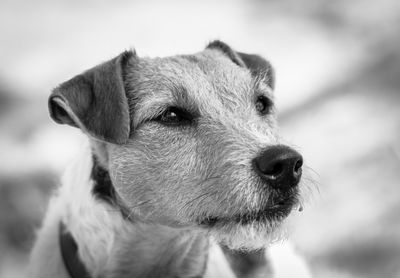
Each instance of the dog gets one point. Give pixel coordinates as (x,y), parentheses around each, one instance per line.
(184,173)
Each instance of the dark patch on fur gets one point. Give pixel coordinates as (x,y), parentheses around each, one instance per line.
(226,50)
(69,252)
(103,188)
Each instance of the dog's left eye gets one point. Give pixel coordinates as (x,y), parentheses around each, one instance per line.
(263,105)
(174,116)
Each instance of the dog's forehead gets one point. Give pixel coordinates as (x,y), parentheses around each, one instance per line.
(204,81)
(200,74)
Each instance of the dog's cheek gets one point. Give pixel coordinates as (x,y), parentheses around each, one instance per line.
(158,169)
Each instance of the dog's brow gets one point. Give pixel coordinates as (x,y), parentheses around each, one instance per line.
(157,102)
(183,100)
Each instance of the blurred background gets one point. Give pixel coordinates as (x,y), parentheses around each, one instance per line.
(338,82)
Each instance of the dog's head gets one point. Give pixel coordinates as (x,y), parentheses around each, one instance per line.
(189,140)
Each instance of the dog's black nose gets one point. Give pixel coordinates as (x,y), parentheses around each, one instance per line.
(280,166)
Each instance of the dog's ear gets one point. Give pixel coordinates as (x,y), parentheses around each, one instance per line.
(95,101)
(258,66)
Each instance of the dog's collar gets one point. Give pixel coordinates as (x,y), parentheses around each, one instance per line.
(69,253)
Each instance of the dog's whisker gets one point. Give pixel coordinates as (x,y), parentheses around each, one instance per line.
(309,169)
(199,198)
(132,208)
(310,186)
(139,205)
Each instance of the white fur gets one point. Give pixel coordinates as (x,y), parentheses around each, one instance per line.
(91,223)
(217,264)
(286,261)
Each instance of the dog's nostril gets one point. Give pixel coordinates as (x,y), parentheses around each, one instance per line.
(297,166)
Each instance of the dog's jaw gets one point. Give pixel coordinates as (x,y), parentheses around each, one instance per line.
(109,245)
(251,236)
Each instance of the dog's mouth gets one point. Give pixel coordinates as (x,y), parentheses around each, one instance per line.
(276,211)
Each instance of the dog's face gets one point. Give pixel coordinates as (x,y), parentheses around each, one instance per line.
(191,141)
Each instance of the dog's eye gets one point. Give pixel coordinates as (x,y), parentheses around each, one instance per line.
(263,105)
(175,116)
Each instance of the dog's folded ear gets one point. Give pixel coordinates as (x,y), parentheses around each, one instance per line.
(258,66)
(95,101)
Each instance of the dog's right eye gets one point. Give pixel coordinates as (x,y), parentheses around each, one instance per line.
(174,116)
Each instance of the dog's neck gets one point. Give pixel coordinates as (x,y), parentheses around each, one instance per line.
(152,251)
(112,246)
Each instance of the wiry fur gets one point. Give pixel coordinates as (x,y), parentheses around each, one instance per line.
(171,179)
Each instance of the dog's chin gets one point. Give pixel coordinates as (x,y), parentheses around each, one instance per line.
(253,230)
(250,236)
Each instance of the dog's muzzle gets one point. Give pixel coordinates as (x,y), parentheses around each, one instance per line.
(280,169)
